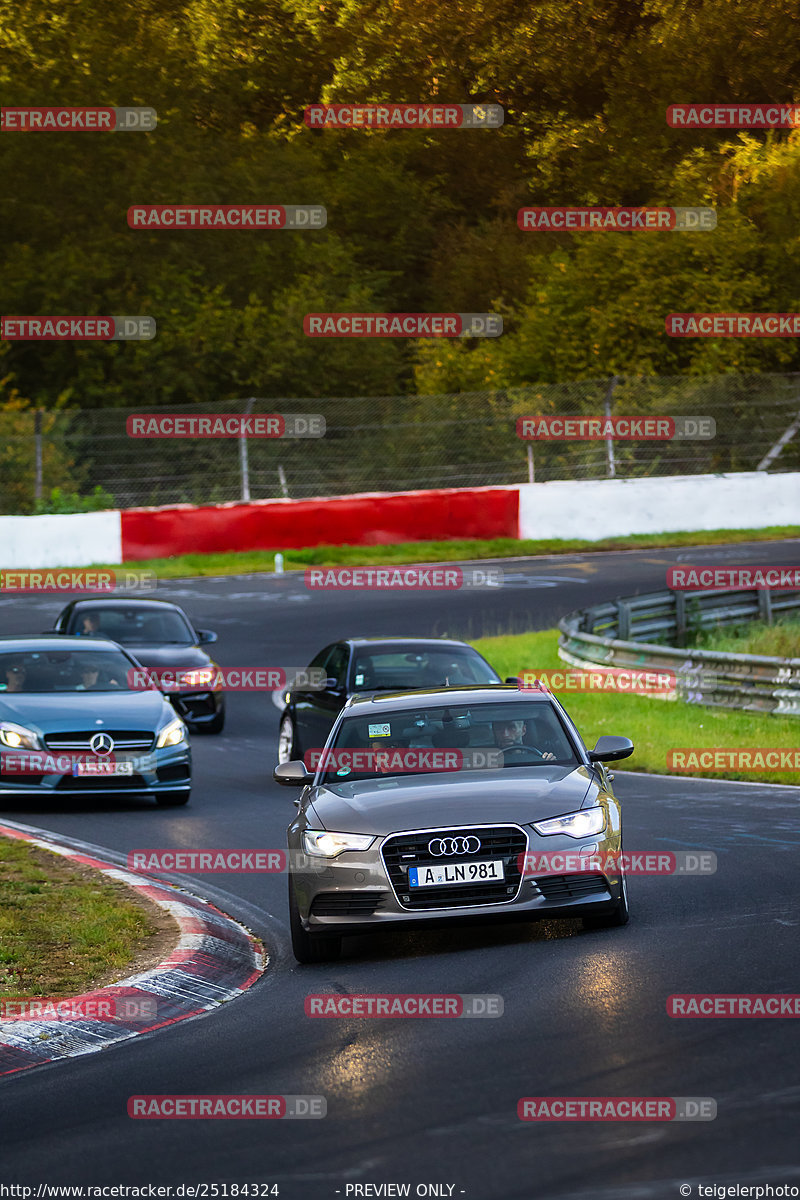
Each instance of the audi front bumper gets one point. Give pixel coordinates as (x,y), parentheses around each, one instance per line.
(359,891)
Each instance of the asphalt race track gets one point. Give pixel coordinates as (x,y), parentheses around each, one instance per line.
(433,1102)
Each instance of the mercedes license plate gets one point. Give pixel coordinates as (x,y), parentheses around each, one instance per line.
(103,769)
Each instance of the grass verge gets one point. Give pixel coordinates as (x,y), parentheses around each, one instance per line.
(252,562)
(65,928)
(781,640)
(654,726)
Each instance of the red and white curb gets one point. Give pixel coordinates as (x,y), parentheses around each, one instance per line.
(215,960)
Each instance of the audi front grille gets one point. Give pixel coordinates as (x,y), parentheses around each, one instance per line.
(403,850)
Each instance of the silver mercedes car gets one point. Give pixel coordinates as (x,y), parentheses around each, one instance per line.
(464,805)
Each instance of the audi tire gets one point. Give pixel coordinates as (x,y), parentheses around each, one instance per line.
(310,948)
(617,917)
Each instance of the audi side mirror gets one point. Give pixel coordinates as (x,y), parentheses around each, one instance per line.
(205,636)
(512,679)
(292,774)
(610,748)
(333,685)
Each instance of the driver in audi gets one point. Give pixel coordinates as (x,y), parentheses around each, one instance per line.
(508,735)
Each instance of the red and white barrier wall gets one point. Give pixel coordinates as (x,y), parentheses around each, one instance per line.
(590,509)
(71,540)
(598,508)
(369,519)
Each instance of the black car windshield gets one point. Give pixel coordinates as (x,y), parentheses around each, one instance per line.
(402,669)
(446,739)
(132,626)
(49,671)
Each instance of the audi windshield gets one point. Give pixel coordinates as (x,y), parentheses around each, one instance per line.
(444,738)
(48,671)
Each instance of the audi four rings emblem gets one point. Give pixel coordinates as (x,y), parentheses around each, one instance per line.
(454,845)
(102,743)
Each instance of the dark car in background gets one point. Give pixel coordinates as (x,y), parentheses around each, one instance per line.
(358,665)
(163,639)
(385,839)
(73,722)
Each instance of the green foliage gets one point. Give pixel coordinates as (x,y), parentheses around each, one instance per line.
(417,221)
(59,501)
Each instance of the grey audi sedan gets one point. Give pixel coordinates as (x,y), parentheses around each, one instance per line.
(458,805)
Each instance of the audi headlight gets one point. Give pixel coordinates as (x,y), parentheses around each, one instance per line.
(327,845)
(172,734)
(575,825)
(17,737)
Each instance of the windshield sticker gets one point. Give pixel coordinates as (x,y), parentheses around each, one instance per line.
(359,679)
(343,771)
(376,731)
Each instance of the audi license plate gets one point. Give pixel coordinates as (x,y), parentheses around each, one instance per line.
(468,872)
(103,769)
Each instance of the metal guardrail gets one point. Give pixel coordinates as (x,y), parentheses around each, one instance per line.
(649,632)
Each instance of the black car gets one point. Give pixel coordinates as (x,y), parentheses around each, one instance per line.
(163,639)
(357,665)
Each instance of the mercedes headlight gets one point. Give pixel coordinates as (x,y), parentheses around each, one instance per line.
(575,825)
(17,737)
(327,845)
(172,734)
